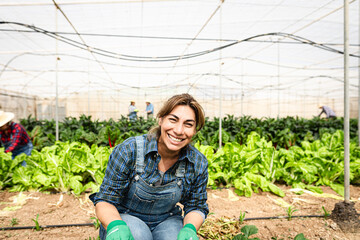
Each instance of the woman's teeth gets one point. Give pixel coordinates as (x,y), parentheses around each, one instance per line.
(175,139)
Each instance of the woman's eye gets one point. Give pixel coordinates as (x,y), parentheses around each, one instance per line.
(189,124)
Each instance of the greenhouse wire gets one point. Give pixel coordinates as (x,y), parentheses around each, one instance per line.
(92,224)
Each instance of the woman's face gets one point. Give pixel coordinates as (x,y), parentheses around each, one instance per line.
(4,127)
(177,129)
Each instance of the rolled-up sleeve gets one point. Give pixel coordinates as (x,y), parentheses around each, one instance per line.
(118,172)
(196,196)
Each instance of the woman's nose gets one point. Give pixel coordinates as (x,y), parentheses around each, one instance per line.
(179,128)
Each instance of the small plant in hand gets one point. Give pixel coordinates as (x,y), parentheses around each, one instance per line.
(37,225)
(14,221)
(290,212)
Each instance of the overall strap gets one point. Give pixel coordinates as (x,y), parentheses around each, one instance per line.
(139,154)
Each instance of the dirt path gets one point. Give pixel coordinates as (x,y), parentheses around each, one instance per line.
(225,208)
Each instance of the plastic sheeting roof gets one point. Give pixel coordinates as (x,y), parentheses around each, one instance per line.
(244,47)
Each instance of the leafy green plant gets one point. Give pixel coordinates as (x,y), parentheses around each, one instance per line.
(241,217)
(300,236)
(37,225)
(247,231)
(14,221)
(290,211)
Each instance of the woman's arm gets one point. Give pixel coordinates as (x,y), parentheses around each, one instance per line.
(194,218)
(106,213)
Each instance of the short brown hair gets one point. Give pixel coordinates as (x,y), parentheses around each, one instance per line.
(181,99)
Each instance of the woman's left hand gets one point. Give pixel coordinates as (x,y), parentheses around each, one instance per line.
(188,232)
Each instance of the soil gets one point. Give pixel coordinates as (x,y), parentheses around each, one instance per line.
(21,209)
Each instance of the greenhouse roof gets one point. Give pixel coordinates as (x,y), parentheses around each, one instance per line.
(149,47)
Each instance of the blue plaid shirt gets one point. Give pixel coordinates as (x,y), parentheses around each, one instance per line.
(121,168)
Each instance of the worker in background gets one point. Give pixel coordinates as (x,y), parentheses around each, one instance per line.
(13,136)
(133,111)
(327,110)
(149,109)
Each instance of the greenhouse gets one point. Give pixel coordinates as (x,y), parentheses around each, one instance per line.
(263,72)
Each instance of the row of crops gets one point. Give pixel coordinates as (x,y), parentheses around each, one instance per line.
(282,132)
(249,161)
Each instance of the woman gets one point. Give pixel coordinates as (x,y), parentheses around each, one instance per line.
(148,175)
(13,136)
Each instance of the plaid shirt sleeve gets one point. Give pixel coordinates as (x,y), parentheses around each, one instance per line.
(196,194)
(19,137)
(119,170)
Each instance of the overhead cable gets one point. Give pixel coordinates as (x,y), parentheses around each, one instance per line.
(172,38)
(176,57)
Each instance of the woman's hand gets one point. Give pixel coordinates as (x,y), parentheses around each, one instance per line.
(118,230)
(188,232)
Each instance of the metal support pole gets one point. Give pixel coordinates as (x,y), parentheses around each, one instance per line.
(220,88)
(346,105)
(56,84)
(359,82)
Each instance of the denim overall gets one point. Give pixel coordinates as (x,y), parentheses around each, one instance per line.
(152,204)
(19,149)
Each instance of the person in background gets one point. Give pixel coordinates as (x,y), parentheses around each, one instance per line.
(13,136)
(132,111)
(148,175)
(149,109)
(327,110)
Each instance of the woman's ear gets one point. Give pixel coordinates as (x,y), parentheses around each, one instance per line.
(160,121)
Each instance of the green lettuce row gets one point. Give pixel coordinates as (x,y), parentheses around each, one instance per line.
(62,167)
(258,165)
(250,167)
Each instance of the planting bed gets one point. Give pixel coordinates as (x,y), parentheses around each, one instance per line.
(222,223)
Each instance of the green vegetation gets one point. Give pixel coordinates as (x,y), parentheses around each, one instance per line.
(290,211)
(96,222)
(282,132)
(37,225)
(326,213)
(253,166)
(242,217)
(14,221)
(247,231)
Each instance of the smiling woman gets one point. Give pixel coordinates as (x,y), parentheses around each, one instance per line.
(147,176)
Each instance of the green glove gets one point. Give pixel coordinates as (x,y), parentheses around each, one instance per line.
(118,230)
(188,232)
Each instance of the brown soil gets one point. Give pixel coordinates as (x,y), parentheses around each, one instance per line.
(222,222)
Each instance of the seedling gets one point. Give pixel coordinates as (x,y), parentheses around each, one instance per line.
(37,225)
(290,212)
(241,217)
(14,221)
(300,236)
(96,222)
(326,213)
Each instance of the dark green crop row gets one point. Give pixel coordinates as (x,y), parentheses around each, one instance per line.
(282,132)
